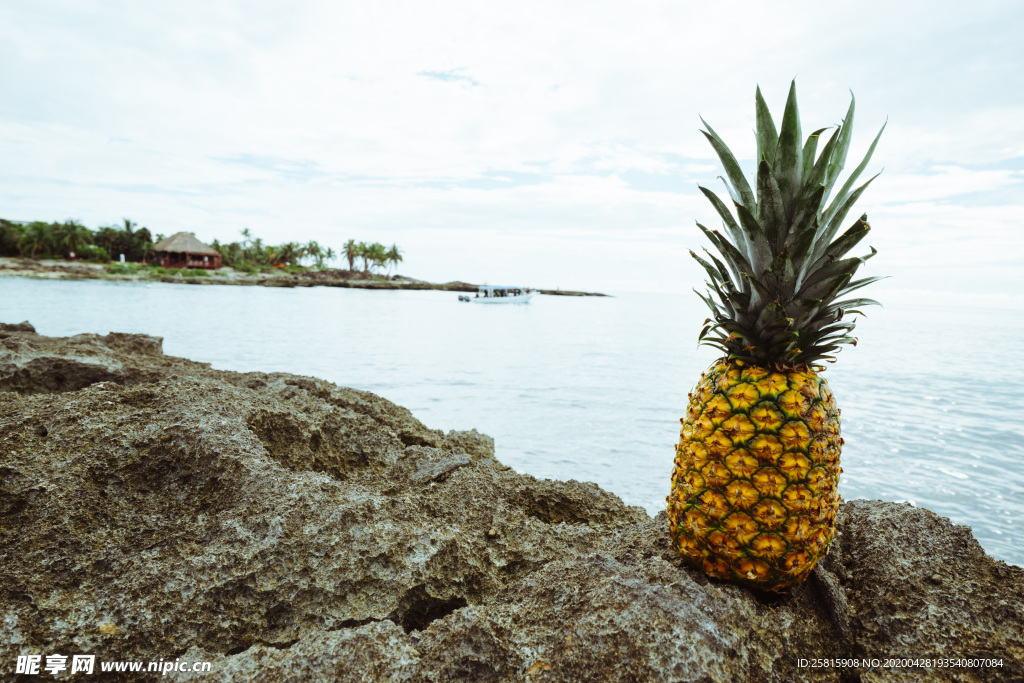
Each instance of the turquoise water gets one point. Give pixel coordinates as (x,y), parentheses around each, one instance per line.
(593,388)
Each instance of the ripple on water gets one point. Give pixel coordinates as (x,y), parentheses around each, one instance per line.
(592,389)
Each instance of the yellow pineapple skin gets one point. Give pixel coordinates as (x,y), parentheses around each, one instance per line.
(755,485)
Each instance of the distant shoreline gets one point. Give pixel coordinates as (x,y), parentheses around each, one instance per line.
(81,270)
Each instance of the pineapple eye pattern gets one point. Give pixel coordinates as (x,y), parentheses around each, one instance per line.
(755,493)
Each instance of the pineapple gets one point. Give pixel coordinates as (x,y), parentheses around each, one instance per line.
(754,489)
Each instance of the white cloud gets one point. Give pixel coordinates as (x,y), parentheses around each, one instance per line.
(942,182)
(457,129)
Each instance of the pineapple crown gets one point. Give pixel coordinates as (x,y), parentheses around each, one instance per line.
(777,281)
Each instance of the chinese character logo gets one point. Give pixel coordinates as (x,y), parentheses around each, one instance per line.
(28,664)
(82,663)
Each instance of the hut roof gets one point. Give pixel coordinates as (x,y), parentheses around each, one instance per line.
(184,242)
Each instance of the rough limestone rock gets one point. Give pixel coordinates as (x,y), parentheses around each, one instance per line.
(283,528)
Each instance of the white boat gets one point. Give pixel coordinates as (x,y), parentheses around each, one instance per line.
(496,294)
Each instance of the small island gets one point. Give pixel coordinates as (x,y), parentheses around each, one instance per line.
(71,251)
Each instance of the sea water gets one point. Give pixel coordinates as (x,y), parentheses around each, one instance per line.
(592,388)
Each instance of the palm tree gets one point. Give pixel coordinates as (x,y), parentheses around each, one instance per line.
(394,255)
(72,235)
(231,253)
(313,249)
(109,237)
(377,255)
(142,247)
(363,252)
(351,252)
(329,254)
(35,237)
(256,252)
(10,238)
(298,252)
(289,253)
(133,241)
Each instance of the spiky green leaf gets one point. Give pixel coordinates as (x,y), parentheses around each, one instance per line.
(849,239)
(775,292)
(760,251)
(857,284)
(771,210)
(788,164)
(816,176)
(715,275)
(838,160)
(844,191)
(810,148)
(737,182)
(767,136)
(741,238)
(736,260)
(827,231)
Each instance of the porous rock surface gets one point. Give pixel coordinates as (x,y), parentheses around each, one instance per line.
(284,528)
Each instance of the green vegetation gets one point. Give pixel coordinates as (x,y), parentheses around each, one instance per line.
(39,239)
(150,270)
(374,255)
(251,255)
(91,252)
(124,268)
(69,239)
(160,271)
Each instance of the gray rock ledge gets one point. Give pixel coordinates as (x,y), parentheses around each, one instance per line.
(287,529)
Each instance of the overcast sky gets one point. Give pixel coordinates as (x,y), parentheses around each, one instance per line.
(542,143)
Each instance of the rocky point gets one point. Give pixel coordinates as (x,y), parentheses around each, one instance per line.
(284,528)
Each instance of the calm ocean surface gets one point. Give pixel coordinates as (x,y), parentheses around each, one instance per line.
(592,388)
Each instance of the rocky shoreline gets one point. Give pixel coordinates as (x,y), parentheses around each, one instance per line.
(285,528)
(82,270)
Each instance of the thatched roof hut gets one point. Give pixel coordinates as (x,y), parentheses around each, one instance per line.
(183,250)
